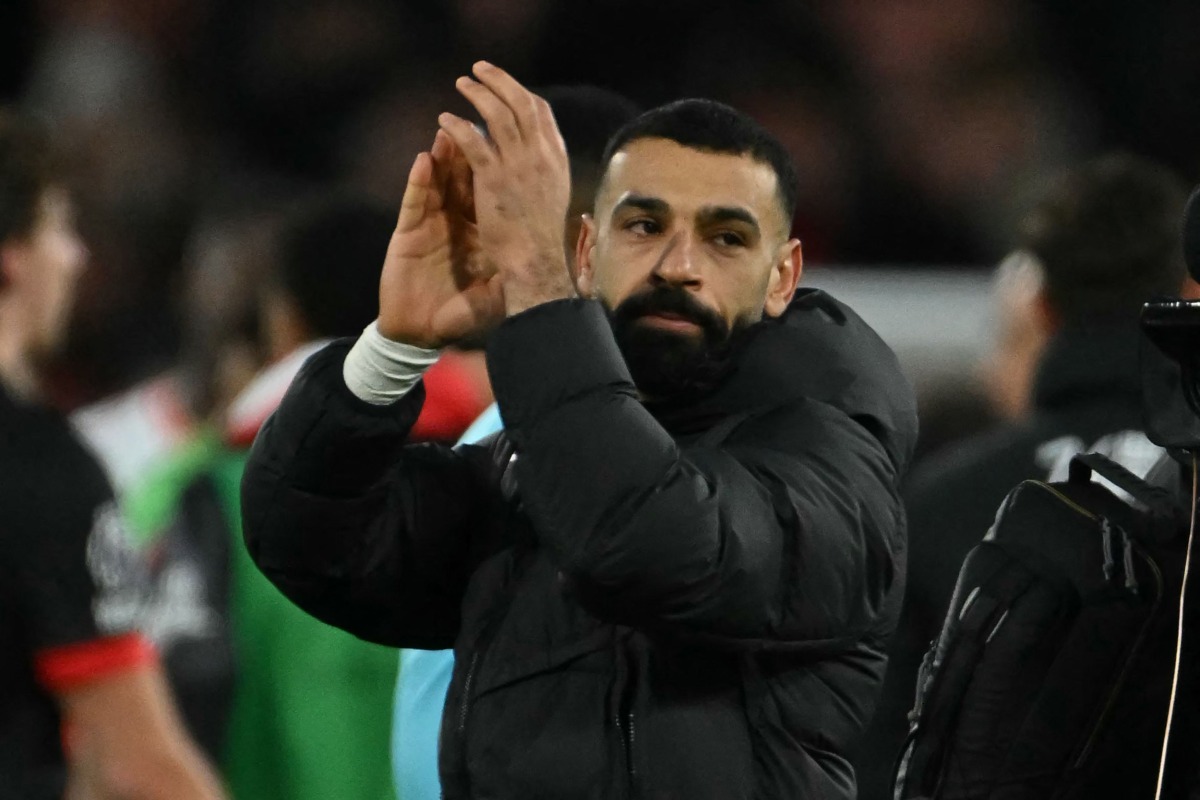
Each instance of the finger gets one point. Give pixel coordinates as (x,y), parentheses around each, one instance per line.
(442,148)
(501,124)
(548,125)
(520,101)
(440,154)
(460,189)
(416,193)
(470,141)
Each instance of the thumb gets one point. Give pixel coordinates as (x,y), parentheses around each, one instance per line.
(416,193)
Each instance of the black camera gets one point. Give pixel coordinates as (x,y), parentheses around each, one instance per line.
(1170,366)
(1170,357)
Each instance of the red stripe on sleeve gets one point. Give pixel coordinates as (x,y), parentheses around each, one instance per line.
(70,666)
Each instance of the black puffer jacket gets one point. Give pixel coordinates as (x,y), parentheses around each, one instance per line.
(683,602)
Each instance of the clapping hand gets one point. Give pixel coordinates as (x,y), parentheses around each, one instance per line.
(436,286)
(480,231)
(522,186)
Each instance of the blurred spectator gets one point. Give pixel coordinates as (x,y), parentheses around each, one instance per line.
(958,407)
(154,443)
(310,713)
(587,117)
(72,590)
(289,736)
(227,261)
(1107,238)
(101,76)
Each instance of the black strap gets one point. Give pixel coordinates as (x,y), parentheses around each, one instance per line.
(1156,499)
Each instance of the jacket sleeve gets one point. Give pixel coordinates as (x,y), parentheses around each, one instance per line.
(358,529)
(787,535)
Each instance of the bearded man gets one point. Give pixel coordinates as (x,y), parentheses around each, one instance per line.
(675,571)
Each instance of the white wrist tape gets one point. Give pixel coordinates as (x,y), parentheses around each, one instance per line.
(381,371)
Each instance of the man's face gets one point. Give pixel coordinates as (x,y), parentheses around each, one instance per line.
(686,247)
(42,268)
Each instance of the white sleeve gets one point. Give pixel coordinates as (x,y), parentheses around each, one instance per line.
(381,371)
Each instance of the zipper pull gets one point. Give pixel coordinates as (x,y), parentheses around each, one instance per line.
(1106,543)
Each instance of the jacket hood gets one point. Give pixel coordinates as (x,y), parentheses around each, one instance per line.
(822,350)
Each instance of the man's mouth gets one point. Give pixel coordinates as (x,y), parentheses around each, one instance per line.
(669,321)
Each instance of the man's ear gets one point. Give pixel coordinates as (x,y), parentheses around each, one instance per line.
(785,276)
(1045,314)
(584,278)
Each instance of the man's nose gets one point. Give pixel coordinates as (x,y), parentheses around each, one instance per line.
(678,264)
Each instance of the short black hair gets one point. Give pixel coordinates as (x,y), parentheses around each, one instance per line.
(328,261)
(587,117)
(29,165)
(1107,234)
(715,128)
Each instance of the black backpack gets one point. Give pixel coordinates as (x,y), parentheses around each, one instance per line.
(1052,675)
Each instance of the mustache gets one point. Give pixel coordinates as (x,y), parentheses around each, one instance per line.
(672,300)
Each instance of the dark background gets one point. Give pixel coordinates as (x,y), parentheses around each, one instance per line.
(920,128)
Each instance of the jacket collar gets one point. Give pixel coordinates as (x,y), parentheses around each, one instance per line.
(820,350)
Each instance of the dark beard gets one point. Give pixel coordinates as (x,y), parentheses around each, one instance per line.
(667,365)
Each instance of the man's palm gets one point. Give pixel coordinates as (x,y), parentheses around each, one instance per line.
(436,287)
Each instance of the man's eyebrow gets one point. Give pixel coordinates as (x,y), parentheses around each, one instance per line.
(713,214)
(650,204)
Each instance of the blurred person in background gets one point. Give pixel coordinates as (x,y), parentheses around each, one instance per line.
(587,117)
(77,676)
(1105,238)
(310,709)
(102,77)
(159,470)
(1020,333)
(311,705)
(1001,388)
(674,571)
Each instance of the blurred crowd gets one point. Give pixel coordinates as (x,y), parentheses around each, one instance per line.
(920,129)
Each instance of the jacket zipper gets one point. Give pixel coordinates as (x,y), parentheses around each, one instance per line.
(626,723)
(624,717)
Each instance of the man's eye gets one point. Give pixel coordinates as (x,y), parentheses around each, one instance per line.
(642,226)
(728,239)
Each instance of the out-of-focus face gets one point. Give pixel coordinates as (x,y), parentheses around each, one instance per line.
(42,268)
(685,247)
